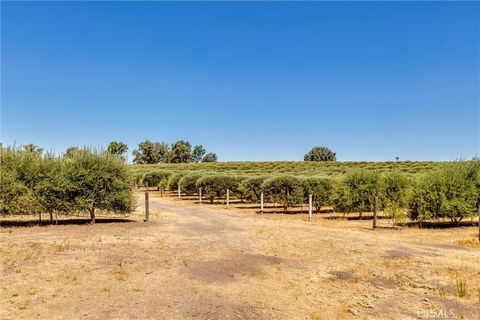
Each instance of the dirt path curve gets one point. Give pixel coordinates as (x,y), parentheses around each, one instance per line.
(199,262)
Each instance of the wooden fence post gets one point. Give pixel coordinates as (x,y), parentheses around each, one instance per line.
(228,198)
(147,213)
(200,195)
(310,207)
(178,191)
(375,214)
(261,203)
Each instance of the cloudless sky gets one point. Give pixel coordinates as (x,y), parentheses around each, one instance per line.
(248,80)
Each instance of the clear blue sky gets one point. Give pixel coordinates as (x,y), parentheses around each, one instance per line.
(248,80)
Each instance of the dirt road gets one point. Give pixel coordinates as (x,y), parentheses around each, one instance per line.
(193,262)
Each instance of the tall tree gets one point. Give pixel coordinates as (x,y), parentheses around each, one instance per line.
(320,154)
(118,148)
(210,157)
(198,153)
(181,152)
(151,152)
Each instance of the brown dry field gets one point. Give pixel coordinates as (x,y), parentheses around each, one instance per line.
(206,262)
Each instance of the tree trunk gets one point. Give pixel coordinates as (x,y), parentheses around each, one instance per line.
(92,215)
(40,217)
(285,209)
(211,200)
(51,217)
(360,216)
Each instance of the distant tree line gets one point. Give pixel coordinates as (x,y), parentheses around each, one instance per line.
(149,152)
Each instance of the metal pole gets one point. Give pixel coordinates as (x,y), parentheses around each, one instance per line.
(228,198)
(375,214)
(310,209)
(261,203)
(147,213)
(200,195)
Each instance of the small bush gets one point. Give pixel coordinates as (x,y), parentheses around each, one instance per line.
(357,192)
(321,191)
(286,190)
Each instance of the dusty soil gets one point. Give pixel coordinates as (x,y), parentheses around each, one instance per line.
(205,262)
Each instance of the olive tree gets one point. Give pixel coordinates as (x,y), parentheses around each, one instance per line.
(173,181)
(188,183)
(99,181)
(216,186)
(251,188)
(394,193)
(286,190)
(321,190)
(451,193)
(320,154)
(155,178)
(357,192)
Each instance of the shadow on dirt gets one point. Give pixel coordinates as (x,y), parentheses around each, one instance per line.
(43,223)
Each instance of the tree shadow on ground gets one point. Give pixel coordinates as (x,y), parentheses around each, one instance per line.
(65,222)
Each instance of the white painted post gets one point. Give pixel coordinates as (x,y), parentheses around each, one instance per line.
(178,191)
(56,217)
(261,203)
(310,207)
(200,195)
(228,198)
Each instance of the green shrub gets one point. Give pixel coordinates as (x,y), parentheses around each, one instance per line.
(394,195)
(357,192)
(173,181)
(99,180)
(155,178)
(251,188)
(451,193)
(285,190)
(216,186)
(188,183)
(321,190)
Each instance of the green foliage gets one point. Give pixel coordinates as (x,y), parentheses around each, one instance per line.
(286,190)
(181,152)
(320,154)
(357,192)
(394,194)
(451,193)
(33,149)
(188,183)
(155,178)
(198,153)
(216,185)
(16,196)
(251,188)
(151,152)
(210,157)
(173,181)
(70,152)
(99,181)
(118,148)
(321,190)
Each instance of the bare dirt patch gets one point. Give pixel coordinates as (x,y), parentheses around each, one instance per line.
(205,262)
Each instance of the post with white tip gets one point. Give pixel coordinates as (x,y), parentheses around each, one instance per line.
(228,198)
(200,195)
(261,203)
(310,207)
